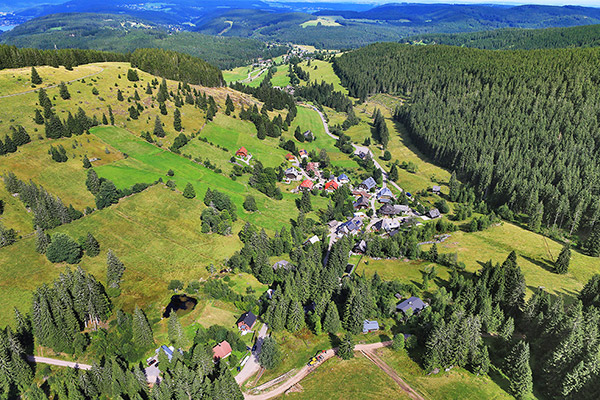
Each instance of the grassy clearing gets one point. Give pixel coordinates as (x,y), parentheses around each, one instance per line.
(18,80)
(357,378)
(237,74)
(323,21)
(323,73)
(281,78)
(455,384)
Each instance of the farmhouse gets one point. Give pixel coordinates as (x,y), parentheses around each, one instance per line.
(388,209)
(414,304)
(387,224)
(368,184)
(361,203)
(222,350)
(246,321)
(343,179)
(370,326)
(292,174)
(306,184)
(290,157)
(384,195)
(434,213)
(331,186)
(436,189)
(242,152)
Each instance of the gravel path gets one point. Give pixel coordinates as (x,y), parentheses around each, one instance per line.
(252,365)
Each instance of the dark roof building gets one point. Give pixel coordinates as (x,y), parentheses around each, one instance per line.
(362,202)
(434,213)
(414,303)
(246,321)
(368,183)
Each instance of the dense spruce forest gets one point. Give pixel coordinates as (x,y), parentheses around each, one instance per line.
(124,34)
(515,39)
(164,63)
(520,127)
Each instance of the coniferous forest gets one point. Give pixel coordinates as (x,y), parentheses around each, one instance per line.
(520,127)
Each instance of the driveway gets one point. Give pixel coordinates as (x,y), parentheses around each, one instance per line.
(252,366)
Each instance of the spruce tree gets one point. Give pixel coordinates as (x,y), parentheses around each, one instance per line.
(270,355)
(561,266)
(295,316)
(41,240)
(120,95)
(92,182)
(189,192)
(114,270)
(250,204)
(104,119)
(158,128)
(229,108)
(86,162)
(519,371)
(175,331)
(63,248)
(346,349)
(592,244)
(177,120)
(92,247)
(39,118)
(142,332)
(454,187)
(64,91)
(331,322)
(36,79)
(111,115)
(107,195)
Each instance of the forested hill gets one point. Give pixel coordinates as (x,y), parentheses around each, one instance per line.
(164,63)
(504,39)
(124,33)
(522,127)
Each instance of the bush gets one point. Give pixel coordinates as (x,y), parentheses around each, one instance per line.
(63,248)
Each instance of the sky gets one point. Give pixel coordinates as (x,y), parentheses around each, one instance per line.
(588,3)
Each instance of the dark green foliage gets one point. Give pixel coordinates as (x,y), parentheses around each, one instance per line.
(120,95)
(19,135)
(54,127)
(496,162)
(35,77)
(270,355)
(189,192)
(387,156)
(590,294)
(250,204)
(59,154)
(63,91)
(107,195)
(111,116)
(132,75)
(175,331)
(92,182)
(221,202)
(39,118)
(180,141)
(142,332)
(9,145)
(519,371)
(265,180)
(592,244)
(215,221)
(114,271)
(398,342)
(177,120)
(229,108)
(86,162)
(304,204)
(63,248)
(561,266)
(158,128)
(91,247)
(346,349)
(7,236)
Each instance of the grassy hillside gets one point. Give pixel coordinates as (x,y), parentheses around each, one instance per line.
(124,33)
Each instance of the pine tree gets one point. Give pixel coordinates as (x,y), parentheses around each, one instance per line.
(41,240)
(120,95)
(148,88)
(346,349)
(393,174)
(111,115)
(561,266)
(305,204)
(107,195)
(176,335)
(454,187)
(229,108)
(104,119)
(64,91)
(189,192)
(142,332)
(86,162)
(114,270)
(295,316)
(158,128)
(535,219)
(92,182)
(36,79)
(332,323)
(270,355)
(250,204)
(519,371)
(39,118)
(63,248)
(9,145)
(592,244)
(262,132)
(92,247)
(177,120)
(507,329)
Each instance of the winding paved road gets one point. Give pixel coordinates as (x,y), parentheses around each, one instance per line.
(252,366)
(356,147)
(51,86)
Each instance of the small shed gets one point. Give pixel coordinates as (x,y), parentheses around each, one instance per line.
(370,326)
(290,157)
(282,264)
(436,189)
(312,240)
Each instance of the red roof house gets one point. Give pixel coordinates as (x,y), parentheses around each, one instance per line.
(331,186)
(303,153)
(306,184)
(290,157)
(242,152)
(222,350)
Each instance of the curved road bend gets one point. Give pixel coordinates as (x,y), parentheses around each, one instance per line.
(377,165)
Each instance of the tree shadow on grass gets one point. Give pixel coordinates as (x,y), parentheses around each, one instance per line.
(499,378)
(334,340)
(384,338)
(545,264)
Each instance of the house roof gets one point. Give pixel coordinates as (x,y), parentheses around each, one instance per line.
(292,171)
(307,133)
(361,246)
(343,177)
(414,303)
(248,318)
(281,264)
(303,153)
(242,150)
(312,240)
(433,213)
(333,223)
(369,183)
(312,166)
(290,156)
(385,192)
(370,326)
(388,209)
(307,184)
(436,188)
(361,202)
(359,193)
(222,350)
(167,351)
(331,184)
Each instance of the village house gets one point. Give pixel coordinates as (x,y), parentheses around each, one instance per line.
(384,195)
(362,152)
(361,203)
(292,174)
(436,189)
(306,184)
(242,152)
(222,350)
(312,240)
(433,213)
(414,304)
(351,226)
(331,186)
(388,209)
(368,184)
(290,157)
(282,264)
(387,224)
(359,193)
(370,326)
(314,167)
(360,247)
(332,224)
(343,179)
(303,153)
(246,321)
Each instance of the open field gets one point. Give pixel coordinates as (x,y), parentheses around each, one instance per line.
(323,73)
(357,378)
(324,21)
(281,78)
(455,384)
(18,80)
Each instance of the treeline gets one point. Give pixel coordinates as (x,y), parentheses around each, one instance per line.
(14,57)
(105,191)
(273,99)
(177,66)
(18,137)
(515,125)
(323,93)
(48,211)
